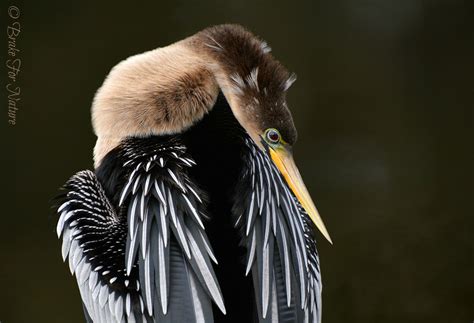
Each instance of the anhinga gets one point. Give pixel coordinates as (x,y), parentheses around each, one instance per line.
(194,154)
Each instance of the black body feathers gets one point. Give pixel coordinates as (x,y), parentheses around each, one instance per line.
(153,235)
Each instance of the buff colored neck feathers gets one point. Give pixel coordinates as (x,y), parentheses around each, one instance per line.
(166,90)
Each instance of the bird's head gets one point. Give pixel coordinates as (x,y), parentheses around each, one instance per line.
(169,89)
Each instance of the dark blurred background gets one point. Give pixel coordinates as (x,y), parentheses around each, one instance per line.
(384,109)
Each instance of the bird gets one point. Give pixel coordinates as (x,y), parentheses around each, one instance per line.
(195,210)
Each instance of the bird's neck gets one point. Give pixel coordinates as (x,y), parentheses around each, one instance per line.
(163,91)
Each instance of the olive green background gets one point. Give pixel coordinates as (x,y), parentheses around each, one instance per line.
(384,109)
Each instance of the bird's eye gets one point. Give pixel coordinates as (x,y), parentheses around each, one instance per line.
(273,136)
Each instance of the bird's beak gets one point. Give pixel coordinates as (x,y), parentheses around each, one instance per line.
(283,160)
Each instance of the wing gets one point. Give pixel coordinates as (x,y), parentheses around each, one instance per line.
(93,239)
(281,249)
(142,259)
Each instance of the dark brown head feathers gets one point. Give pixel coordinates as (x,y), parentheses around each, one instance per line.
(168,89)
(258,78)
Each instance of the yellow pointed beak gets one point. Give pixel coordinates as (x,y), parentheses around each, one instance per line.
(283,160)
